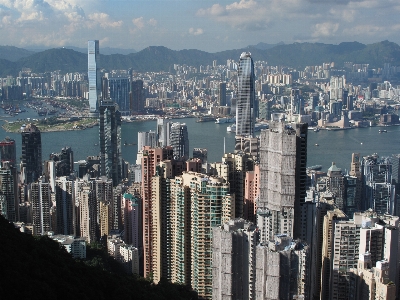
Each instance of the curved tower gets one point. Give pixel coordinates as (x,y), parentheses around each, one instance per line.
(245,114)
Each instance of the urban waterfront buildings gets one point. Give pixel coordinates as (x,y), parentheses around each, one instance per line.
(94,76)
(179,140)
(8,151)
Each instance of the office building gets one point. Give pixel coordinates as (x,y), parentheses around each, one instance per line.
(179,140)
(64,162)
(40,198)
(245,114)
(31,159)
(336,185)
(378,188)
(110,142)
(283,158)
(163,130)
(146,139)
(94,76)
(118,89)
(137,97)
(8,151)
(222,94)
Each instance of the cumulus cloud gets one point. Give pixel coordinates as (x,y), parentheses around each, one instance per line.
(325,29)
(104,20)
(194,31)
(138,22)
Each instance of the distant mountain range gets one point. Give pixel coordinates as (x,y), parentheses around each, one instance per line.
(158,58)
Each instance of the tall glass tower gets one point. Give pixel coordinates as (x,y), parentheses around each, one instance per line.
(94,75)
(245,115)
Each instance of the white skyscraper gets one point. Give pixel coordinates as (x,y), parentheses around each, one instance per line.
(94,75)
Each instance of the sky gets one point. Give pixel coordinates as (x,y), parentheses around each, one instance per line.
(208,25)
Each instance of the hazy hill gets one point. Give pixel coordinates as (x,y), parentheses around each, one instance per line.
(39,268)
(12,53)
(158,58)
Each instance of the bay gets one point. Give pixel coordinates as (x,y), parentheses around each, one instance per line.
(333,146)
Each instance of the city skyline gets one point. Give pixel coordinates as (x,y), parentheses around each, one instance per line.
(205,25)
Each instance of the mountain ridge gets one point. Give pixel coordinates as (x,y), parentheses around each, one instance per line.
(160,58)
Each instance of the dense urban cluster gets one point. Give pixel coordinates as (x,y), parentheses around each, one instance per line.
(257,225)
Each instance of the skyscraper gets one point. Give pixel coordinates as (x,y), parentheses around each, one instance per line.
(8,151)
(245,115)
(222,94)
(282,179)
(41,203)
(110,142)
(119,92)
(179,140)
(31,161)
(137,96)
(94,75)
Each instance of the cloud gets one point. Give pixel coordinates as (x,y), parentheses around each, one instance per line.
(138,22)
(104,20)
(152,22)
(244,14)
(194,31)
(325,29)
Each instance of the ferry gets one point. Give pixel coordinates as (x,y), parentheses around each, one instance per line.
(316,129)
(231,128)
(225,120)
(316,167)
(382,131)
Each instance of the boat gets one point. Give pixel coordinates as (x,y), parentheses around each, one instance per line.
(205,119)
(225,120)
(316,167)
(316,145)
(316,129)
(260,126)
(231,128)
(382,131)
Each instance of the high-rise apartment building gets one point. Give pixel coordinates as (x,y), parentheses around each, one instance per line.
(31,159)
(132,220)
(88,211)
(40,198)
(94,76)
(211,205)
(64,162)
(179,140)
(283,158)
(110,142)
(234,260)
(150,160)
(163,129)
(8,151)
(245,114)
(9,190)
(65,204)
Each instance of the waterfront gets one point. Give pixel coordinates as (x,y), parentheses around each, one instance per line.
(333,146)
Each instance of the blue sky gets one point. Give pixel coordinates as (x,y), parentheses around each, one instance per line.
(192,24)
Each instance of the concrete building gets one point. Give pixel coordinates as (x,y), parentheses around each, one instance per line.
(65,203)
(238,163)
(151,159)
(179,140)
(9,191)
(8,151)
(40,198)
(234,260)
(125,254)
(88,212)
(283,158)
(211,206)
(282,268)
(251,193)
(75,246)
